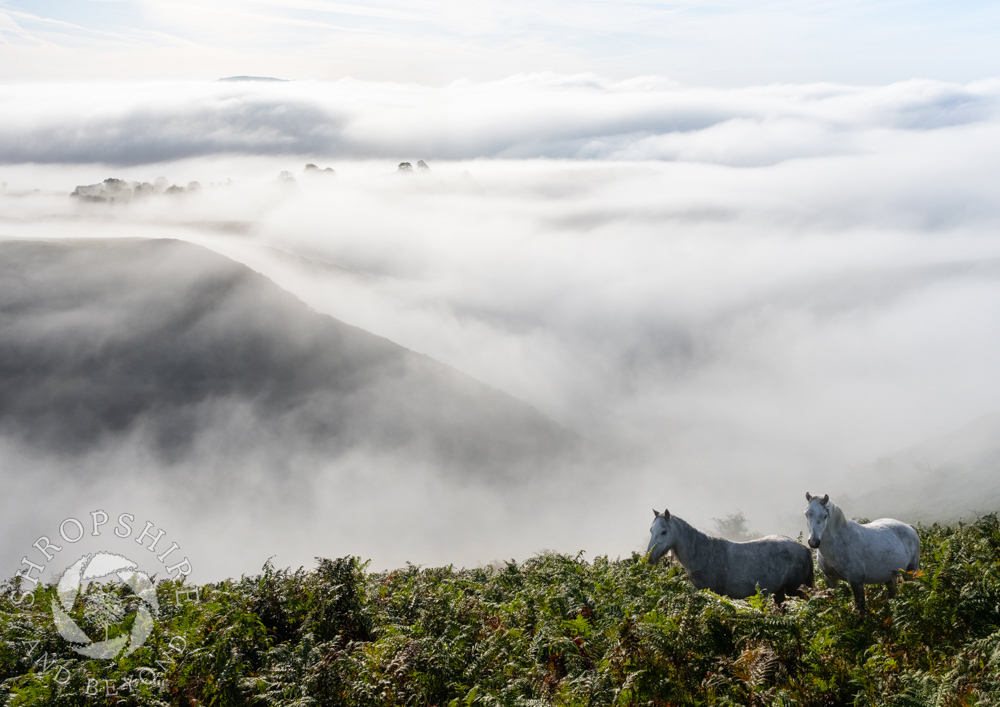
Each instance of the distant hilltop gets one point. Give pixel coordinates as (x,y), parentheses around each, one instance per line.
(252,78)
(114,190)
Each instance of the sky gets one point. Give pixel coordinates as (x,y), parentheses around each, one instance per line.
(693,42)
(741,250)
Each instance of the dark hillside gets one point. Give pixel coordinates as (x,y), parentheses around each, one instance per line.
(169,342)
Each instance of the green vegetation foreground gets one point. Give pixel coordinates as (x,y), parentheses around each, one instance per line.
(552,630)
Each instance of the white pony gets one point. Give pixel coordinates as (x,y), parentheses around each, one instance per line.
(776,564)
(873,553)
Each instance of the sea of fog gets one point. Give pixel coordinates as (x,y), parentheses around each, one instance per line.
(732,297)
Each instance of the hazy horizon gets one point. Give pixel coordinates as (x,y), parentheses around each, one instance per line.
(692,42)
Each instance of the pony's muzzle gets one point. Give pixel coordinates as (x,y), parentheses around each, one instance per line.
(813,543)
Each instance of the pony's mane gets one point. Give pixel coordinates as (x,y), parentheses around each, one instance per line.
(687,527)
(837,518)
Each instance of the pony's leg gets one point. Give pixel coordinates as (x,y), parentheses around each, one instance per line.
(891,584)
(859,597)
(831,582)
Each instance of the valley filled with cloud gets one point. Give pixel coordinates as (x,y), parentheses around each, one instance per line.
(600,296)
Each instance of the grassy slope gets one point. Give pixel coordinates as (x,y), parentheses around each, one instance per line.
(553,630)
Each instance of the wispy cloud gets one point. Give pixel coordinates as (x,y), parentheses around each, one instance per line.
(9,28)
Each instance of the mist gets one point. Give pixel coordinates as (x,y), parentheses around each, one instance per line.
(723,299)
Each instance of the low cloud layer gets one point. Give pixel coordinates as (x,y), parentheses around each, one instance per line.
(761,312)
(532,116)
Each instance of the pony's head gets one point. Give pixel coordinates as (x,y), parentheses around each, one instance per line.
(817,516)
(661,536)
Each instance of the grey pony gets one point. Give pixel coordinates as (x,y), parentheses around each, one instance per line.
(873,553)
(777,564)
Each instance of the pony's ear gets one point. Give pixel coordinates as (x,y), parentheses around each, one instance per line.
(656,513)
(825,499)
(666,514)
(809,496)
